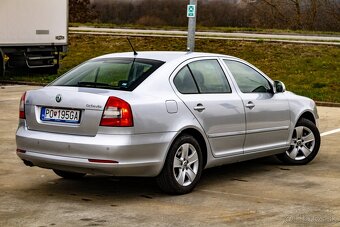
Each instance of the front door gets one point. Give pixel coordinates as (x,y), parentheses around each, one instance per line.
(267,113)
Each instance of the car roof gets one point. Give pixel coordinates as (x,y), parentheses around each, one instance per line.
(164,56)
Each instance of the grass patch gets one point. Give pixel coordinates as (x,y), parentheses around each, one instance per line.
(309,70)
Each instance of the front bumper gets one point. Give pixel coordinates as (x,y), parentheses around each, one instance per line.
(136,154)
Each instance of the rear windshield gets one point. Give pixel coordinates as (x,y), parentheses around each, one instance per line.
(118,74)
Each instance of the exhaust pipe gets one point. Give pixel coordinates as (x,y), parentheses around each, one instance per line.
(28,163)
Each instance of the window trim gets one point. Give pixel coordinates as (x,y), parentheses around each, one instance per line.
(186,64)
(270,81)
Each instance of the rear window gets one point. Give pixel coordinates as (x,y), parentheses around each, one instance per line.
(118,74)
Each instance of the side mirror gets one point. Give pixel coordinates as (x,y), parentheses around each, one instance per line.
(279,86)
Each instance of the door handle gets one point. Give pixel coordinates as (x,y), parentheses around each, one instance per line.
(199,107)
(250,105)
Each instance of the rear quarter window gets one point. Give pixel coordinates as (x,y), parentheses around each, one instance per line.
(184,82)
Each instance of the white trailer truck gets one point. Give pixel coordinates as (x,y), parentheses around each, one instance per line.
(33,33)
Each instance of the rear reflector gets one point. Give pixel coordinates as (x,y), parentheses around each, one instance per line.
(117,113)
(22,107)
(102,161)
(21,151)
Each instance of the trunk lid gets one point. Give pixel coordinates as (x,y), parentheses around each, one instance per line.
(87,102)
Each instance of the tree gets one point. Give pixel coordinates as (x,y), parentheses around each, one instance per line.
(321,15)
(81,11)
(297,7)
(297,14)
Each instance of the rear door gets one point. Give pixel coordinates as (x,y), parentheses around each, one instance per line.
(205,90)
(267,114)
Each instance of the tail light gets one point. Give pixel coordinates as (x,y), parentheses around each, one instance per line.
(22,106)
(117,113)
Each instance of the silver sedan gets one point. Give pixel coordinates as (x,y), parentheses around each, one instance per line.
(167,115)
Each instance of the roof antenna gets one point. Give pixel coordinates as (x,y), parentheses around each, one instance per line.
(134,52)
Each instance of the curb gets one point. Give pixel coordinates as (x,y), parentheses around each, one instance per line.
(328,104)
(9,82)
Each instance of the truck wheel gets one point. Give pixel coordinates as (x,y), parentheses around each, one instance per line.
(2,65)
(53,70)
(183,166)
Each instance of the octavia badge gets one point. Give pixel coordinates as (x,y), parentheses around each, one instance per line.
(58,98)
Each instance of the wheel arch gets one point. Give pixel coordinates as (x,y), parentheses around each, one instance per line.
(306,119)
(198,135)
(307,115)
(201,141)
(167,179)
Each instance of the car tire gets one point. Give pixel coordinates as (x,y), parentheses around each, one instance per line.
(69,175)
(183,166)
(304,146)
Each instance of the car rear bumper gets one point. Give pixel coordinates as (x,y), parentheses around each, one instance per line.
(134,154)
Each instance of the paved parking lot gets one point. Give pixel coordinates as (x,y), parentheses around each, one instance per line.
(261,192)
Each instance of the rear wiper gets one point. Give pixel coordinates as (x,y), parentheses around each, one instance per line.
(95,85)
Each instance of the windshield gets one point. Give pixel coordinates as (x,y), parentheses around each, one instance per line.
(118,74)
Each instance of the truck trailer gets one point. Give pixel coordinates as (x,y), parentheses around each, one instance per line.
(33,33)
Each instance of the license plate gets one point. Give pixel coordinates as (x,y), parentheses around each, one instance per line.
(60,115)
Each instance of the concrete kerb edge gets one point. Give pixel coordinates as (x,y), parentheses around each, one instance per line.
(9,82)
(328,104)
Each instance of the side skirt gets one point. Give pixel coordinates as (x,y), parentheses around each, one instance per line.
(244,157)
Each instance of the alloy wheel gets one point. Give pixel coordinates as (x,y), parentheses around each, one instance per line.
(302,143)
(186,163)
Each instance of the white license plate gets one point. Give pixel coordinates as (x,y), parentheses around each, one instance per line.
(60,115)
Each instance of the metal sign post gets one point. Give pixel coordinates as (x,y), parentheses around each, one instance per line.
(191,14)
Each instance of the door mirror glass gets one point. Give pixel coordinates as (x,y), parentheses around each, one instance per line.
(279,86)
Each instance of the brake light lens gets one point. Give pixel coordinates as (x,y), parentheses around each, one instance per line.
(117,113)
(22,106)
